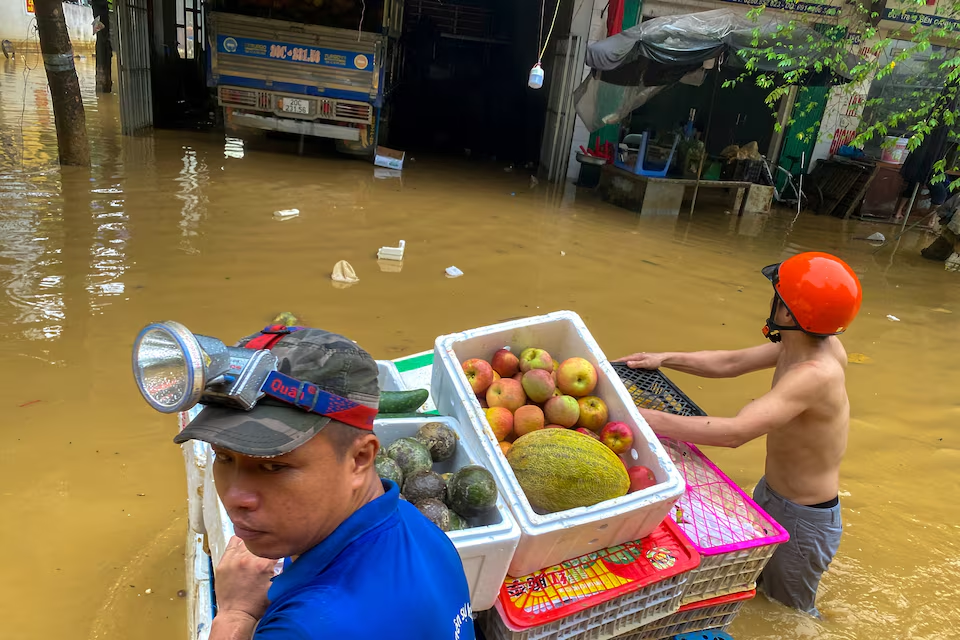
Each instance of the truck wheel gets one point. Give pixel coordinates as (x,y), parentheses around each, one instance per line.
(362,148)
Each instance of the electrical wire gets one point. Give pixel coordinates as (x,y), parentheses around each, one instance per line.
(363,10)
(540,34)
(549,33)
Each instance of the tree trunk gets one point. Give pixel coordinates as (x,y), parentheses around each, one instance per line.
(64,86)
(101,10)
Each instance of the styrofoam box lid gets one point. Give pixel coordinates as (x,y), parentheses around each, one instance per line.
(564,333)
(498,522)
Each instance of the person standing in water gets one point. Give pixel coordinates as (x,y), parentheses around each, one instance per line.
(805,415)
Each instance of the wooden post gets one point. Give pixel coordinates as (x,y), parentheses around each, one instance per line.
(64,86)
(101,10)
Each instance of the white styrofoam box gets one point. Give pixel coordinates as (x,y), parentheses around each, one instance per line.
(488,546)
(195,461)
(388,377)
(199,591)
(549,539)
(219,526)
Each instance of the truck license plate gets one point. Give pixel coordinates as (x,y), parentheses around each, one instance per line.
(293,105)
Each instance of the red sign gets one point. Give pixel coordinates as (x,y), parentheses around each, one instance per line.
(29,6)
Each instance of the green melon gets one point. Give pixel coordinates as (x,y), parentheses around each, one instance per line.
(559,469)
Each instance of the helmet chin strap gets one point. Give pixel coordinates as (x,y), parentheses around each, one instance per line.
(771,330)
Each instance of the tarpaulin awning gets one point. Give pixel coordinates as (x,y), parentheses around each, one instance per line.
(689,40)
(637,63)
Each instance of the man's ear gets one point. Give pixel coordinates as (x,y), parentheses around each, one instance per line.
(365,450)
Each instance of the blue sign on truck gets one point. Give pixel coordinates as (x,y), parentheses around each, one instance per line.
(275,50)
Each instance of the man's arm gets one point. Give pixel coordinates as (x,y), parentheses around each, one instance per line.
(709,364)
(791,396)
(232,625)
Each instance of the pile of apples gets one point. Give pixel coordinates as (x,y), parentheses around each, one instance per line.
(532,391)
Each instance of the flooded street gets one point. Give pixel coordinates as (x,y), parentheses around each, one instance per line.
(180,226)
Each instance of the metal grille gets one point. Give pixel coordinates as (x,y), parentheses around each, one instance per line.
(356,111)
(239,97)
(451,19)
(133,61)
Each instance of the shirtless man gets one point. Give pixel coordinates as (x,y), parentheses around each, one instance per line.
(805,415)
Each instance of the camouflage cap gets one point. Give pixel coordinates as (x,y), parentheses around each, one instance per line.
(331,361)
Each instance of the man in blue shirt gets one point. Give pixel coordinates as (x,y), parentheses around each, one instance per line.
(361,562)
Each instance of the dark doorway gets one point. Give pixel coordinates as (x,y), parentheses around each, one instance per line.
(463,83)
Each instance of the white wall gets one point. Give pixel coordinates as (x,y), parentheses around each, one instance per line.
(17,26)
(595,30)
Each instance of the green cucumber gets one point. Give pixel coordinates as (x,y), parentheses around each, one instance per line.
(402,401)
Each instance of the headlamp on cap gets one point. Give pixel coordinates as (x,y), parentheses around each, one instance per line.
(176,369)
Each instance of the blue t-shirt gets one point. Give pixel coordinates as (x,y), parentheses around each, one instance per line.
(385,572)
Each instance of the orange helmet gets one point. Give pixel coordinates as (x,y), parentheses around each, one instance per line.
(820,291)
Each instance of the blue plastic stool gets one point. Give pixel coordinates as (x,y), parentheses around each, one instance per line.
(641,168)
(709,634)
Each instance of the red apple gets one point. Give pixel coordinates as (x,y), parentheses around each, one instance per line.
(479,374)
(526,419)
(576,377)
(501,421)
(535,359)
(505,363)
(588,433)
(554,426)
(593,413)
(538,385)
(640,478)
(506,392)
(562,410)
(518,376)
(617,436)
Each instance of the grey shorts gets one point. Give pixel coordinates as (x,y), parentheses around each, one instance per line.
(793,573)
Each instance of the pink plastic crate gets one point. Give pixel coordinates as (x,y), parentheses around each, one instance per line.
(715,613)
(733,535)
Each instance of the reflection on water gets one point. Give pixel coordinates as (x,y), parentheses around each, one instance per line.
(193,177)
(180,226)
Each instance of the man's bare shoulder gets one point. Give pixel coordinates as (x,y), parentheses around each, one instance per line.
(812,372)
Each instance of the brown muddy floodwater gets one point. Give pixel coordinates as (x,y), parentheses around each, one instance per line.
(179,226)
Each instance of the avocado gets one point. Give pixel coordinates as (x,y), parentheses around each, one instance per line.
(424,484)
(388,469)
(457,523)
(439,439)
(436,512)
(472,491)
(411,455)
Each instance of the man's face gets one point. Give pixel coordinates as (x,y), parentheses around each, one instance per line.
(283,506)
(781,316)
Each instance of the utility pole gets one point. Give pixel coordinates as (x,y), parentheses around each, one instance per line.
(64,86)
(101,11)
